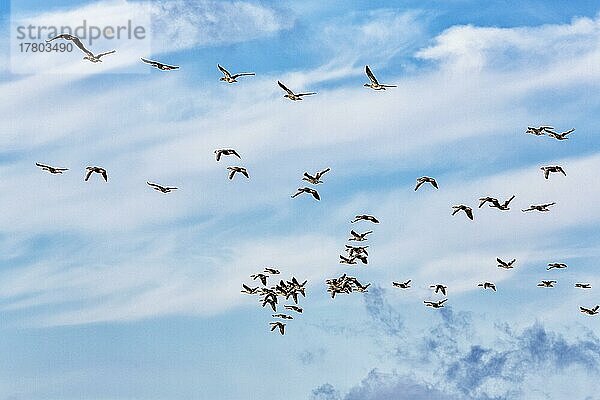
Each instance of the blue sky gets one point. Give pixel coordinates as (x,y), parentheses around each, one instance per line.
(113,291)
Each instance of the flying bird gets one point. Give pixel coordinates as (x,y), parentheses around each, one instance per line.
(293,96)
(539,131)
(241,170)
(347,260)
(272,271)
(262,277)
(249,290)
(52,170)
(375,85)
(556,266)
(553,169)
(504,206)
(583,285)
(484,200)
(487,285)
(562,135)
(278,324)
(359,237)
(308,190)
(439,288)
(426,179)
(159,65)
(589,311)
(316,179)
(506,265)
(461,207)
(94,58)
(539,207)
(98,170)
(293,308)
(226,152)
(435,304)
(282,316)
(231,78)
(162,189)
(402,285)
(546,284)
(365,217)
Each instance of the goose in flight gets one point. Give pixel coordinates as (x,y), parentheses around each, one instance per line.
(506,265)
(426,179)
(308,190)
(159,65)
(461,207)
(249,290)
(359,237)
(562,135)
(539,207)
(272,271)
(365,217)
(226,152)
(583,285)
(504,206)
(241,170)
(347,260)
(435,304)
(291,95)
(357,250)
(589,311)
(488,199)
(362,257)
(262,277)
(375,85)
(402,285)
(556,266)
(95,58)
(439,288)
(316,179)
(487,285)
(278,324)
(546,284)
(539,131)
(293,308)
(282,316)
(162,189)
(552,169)
(52,170)
(231,78)
(98,170)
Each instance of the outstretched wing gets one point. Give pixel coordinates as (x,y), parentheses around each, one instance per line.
(370,75)
(106,53)
(281,85)
(224,71)
(75,40)
(321,173)
(104,175)
(242,74)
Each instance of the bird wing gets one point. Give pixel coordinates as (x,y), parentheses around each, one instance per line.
(224,71)
(231,174)
(306,94)
(104,175)
(242,74)
(235,153)
(105,53)
(419,184)
(245,173)
(370,75)
(321,173)
(469,213)
(281,85)
(75,40)
(315,194)
(500,261)
(434,183)
(89,173)
(153,63)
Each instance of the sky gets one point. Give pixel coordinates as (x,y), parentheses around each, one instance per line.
(112,291)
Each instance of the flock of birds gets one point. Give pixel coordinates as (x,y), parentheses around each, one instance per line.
(271,295)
